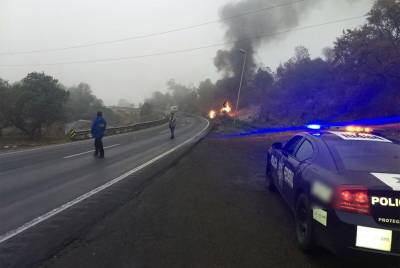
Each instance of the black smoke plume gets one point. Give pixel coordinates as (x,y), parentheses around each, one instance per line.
(250,31)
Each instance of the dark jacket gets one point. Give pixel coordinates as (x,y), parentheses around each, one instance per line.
(172,122)
(98,127)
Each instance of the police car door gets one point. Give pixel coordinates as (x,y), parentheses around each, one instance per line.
(284,167)
(294,167)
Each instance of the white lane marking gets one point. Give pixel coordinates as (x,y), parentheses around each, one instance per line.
(43,147)
(165,131)
(91,151)
(55,211)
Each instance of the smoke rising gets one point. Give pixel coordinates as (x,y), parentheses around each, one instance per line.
(243,31)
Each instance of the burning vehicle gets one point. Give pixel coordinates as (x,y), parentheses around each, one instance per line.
(225,111)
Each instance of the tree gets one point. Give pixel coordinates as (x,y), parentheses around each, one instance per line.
(301,54)
(4,104)
(125,103)
(206,92)
(160,101)
(329,54)
(384,18)
(37,101)
(183,96)
(82,104)
(367,61)
(302,90)
(146,111)
(258,88)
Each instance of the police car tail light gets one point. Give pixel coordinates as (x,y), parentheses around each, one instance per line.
(352,199)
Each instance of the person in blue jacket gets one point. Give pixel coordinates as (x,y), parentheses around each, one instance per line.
(98,128)
(172,124)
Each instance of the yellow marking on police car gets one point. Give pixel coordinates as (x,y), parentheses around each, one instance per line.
(320,215)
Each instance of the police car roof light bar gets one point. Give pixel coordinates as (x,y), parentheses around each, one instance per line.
(314,126)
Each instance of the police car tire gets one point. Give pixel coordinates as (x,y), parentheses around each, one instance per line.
(303,222)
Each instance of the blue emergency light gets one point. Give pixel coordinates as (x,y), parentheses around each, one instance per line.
(313,126)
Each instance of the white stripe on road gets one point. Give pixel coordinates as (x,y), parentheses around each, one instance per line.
(42,148)
(55,211)
(165,131)
(91,151)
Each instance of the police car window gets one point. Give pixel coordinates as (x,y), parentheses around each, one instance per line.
(305,151)
(368,155)
(291,145)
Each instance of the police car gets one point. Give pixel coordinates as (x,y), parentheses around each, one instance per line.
(343,187)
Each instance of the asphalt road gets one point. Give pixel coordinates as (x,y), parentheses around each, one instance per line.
(210,209)
(34,182)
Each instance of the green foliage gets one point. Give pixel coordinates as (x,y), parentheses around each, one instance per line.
(367,63)
(4,104)
(186,98)
(160,102)
(300,92)
(257,88)
(147,112)
(207,95)
(183,96)
(83,104)
(37,101)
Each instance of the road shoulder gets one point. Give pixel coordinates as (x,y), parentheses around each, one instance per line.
(209,210)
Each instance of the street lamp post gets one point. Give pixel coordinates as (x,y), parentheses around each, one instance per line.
(240,85)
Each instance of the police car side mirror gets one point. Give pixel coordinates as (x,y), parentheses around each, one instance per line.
(277,145)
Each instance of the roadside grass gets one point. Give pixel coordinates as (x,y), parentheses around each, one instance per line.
(18,142)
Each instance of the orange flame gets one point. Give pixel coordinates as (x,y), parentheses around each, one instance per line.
(226,108)
(212,114)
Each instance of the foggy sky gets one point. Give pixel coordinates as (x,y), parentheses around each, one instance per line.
(27,25)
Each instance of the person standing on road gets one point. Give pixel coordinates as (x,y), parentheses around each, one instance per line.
(172,124)
(98,128)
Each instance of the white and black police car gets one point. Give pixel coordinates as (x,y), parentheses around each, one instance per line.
(343,187)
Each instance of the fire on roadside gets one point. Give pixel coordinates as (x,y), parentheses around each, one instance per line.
(212,114)
(226,108)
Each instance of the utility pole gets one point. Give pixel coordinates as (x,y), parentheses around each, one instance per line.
(240,85)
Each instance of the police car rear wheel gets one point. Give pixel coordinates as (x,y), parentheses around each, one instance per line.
(303,221)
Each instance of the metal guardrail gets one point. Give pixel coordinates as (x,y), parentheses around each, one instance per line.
(86,134)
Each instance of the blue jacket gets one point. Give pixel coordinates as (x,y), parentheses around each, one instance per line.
(98,127)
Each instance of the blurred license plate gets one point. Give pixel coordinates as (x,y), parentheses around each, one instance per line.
(374,238)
